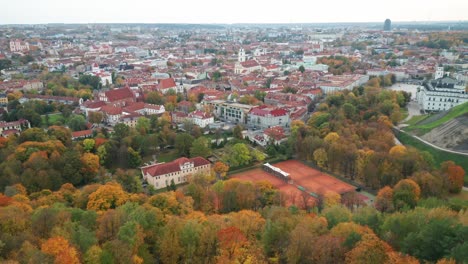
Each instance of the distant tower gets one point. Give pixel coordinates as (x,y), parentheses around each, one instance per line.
(241,55)
(387,25)
(439,73)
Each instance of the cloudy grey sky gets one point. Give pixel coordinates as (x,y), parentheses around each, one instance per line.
(219,11)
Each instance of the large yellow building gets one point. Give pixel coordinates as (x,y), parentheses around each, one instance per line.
(161,175)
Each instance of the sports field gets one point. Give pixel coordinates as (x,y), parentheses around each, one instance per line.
(302,175)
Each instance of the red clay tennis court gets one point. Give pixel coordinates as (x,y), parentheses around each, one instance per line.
(312,179)
(301,175)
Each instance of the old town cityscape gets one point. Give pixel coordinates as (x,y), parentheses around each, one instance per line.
(234,143)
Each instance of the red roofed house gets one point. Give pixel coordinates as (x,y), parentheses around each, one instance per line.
(265,117)
(167,84)
(82,134)
(118,97)
(15,127)
(112,114)
(160,175)
(201,118)
(247,67)
(275,135)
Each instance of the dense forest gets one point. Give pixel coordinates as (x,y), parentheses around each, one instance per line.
(64,202)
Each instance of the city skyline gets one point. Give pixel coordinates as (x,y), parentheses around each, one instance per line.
(242,11)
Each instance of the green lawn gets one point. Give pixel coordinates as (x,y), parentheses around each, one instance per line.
(416,119)
(438,155)
(167,156)
(453,113)
(52,119)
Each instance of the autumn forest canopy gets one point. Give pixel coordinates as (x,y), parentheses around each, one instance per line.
(65,201)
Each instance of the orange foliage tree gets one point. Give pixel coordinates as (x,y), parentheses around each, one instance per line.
(231,240)
(384,200)
(369,250)
(455,175)
(61,249)
(220,169)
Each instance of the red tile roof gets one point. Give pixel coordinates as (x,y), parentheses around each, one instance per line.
(94,105)
(119,94)
(173,166)
(111,110)
(82,133)
(265,111)
(166,83)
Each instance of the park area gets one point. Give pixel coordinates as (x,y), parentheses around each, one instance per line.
(302,177)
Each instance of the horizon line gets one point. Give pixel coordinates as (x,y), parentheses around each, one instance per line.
(236,23)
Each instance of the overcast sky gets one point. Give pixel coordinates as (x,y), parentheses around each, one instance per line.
(219,11)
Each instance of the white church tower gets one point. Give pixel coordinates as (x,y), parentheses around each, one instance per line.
(241,55)
(439,73)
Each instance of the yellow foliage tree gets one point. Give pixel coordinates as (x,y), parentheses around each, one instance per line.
(332,137)
(331,198)
(107,196)
(398,151)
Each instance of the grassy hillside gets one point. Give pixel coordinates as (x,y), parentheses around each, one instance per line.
(438,155)
(425,127)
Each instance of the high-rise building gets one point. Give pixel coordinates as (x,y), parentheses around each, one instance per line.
(387,25)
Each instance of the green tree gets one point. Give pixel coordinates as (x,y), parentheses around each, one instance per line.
(134,159)
(93,81)
(121,131)
(238,155)
(302,69)
(143,125)
(5,64)
(183,143)
(201,147)
(88,144)
(77,123)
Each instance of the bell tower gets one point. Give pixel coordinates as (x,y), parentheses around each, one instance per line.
(241,55)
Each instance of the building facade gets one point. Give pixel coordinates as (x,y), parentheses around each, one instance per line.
(161,175)
(442,93)
(230,111)
(265,117)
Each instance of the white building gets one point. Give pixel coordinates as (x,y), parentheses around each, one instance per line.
(337,83)
(265,117)
(230,111)
(201,118)
(441,93)
(161,175)
(19,46)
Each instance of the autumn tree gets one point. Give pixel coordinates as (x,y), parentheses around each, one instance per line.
(369,250)
(384,200)
(88,144)
(61,249)
(454,175)
(95,117)
(231,240)
(90,166)
(406,193)
(108,196)
(220,169)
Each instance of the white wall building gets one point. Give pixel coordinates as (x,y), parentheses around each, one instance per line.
(161,175)
(201,118)
(265,117)
(442,93)
(19,46)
